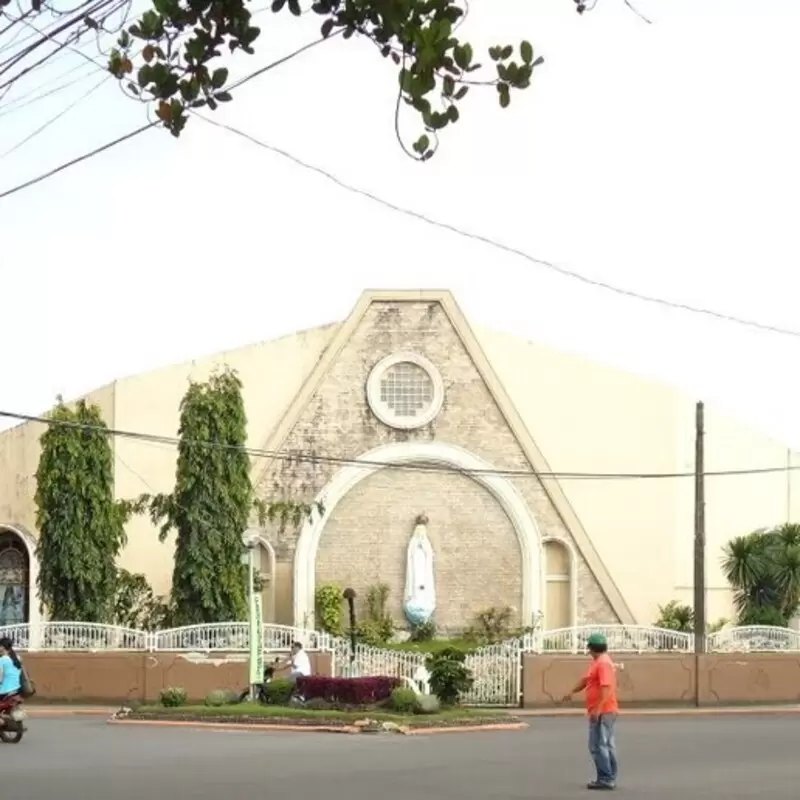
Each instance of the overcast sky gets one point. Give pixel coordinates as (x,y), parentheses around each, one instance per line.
(659,158)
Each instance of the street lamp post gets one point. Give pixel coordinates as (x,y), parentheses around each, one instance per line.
(350,596)
(253,619)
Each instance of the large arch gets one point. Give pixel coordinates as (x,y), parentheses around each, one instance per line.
(29,543)
(434,453)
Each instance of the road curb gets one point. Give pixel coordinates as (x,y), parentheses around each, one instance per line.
(349,729)
(40,711)
(235,726)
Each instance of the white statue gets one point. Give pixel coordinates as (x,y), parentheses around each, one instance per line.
(419,601)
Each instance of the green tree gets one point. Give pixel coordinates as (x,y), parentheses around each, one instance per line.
(763,568)
(81,526)
(212,504)
(136,605)
(172,56)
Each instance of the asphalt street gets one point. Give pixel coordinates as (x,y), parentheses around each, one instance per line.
(688,758)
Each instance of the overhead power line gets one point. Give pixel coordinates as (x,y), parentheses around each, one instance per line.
(77,160)
(550,265)
(310,457)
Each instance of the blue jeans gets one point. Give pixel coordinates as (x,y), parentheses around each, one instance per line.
(603,747)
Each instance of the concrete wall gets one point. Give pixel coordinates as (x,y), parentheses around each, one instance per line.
(139,677)
(587,417)
(663,679)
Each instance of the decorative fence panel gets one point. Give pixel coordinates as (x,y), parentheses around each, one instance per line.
(496,668)
(754,639)
(621,639)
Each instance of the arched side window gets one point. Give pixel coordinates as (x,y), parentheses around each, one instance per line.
(14,580)
(558,578)
(265,566)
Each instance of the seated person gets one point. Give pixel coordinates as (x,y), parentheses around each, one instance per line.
(298,663)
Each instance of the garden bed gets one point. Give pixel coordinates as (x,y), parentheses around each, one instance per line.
(367,719)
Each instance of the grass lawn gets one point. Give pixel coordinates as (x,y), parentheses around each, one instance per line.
(248,711)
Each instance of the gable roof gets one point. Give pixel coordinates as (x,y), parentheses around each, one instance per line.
(496,389)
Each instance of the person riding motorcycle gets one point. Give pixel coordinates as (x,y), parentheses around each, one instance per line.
(10,670)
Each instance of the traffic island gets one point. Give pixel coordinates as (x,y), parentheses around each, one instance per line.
(363,721)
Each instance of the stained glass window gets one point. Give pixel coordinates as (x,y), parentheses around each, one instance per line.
(13,581)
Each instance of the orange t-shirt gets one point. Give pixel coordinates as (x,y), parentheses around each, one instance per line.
(601,673)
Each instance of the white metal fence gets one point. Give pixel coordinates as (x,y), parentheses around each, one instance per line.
(496,668)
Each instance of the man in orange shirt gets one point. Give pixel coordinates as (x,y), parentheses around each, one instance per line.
(600,684)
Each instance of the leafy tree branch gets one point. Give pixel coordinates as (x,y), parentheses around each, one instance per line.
(181,66)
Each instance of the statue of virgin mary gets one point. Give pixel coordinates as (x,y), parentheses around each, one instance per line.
(419,601)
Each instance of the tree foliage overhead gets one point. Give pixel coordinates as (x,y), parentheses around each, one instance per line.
(81,526)
(175,55)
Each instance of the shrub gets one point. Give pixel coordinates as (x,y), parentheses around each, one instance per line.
(220,697)
(763,615)
(427,704)
(172,697)
(378,628)
(449,676)
(348,691)
(328,602)
(424,632)
(675,616)
(403,700)
(279,692)
(492,625)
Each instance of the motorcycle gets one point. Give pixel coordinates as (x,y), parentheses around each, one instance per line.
(12,717)
(260,688)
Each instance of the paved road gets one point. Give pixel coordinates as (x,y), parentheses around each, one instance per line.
(661,759)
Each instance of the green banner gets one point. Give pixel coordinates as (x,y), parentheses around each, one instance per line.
(256,640)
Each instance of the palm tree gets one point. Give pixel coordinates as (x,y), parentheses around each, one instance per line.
(763,568)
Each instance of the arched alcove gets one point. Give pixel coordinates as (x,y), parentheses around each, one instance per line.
(15,579)
(432,453)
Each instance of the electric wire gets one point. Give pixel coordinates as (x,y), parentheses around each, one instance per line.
(313,458)
(549,265)
(42,128)
(540,262)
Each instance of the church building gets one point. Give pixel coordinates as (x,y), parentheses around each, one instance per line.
(505,473)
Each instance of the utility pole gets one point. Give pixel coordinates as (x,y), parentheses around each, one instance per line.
(699,534)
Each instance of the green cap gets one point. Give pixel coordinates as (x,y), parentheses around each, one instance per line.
(596,640)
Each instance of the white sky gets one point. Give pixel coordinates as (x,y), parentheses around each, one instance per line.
(662,158)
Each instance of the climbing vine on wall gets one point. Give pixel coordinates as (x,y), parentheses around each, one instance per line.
(212,504)
(81,526)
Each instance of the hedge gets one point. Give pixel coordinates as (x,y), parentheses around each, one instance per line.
(348,691)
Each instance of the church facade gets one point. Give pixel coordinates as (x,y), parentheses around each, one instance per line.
(406,421)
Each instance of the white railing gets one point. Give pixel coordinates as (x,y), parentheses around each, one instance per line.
(230,636)
(63,636)
(234,637)
(621,639)
(754,639)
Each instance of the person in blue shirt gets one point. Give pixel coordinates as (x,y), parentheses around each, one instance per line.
(10,669)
